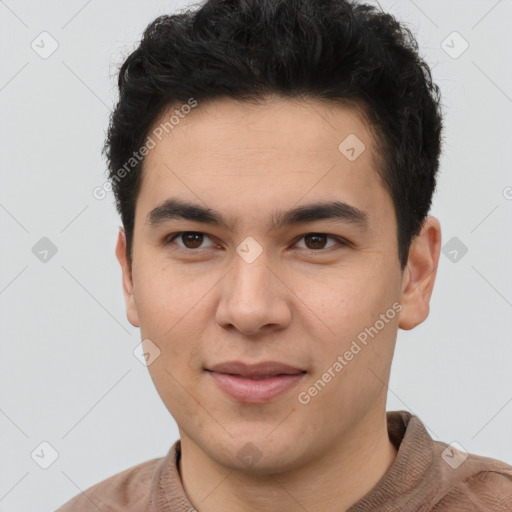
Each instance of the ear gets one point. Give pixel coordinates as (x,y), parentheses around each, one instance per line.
(122,256)
(419,274)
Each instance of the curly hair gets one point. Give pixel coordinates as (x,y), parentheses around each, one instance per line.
(329,50)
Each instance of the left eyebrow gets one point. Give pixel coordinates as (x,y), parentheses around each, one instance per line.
(331,210)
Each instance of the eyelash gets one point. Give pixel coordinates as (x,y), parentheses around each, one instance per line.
(341,242)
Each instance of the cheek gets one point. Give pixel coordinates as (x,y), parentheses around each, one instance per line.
(340,302)
(346,319)
(179,366)
(165,297)
(173,390)
(178,378)
(172,310)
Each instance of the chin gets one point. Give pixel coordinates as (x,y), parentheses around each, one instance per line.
(256,455)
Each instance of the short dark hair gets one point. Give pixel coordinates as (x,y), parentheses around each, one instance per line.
(329,50)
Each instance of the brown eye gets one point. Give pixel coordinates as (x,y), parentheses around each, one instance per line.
(189,240)
(319,241)
(315,241)
(192,240)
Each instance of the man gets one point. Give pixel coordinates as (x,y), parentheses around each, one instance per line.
(273,163)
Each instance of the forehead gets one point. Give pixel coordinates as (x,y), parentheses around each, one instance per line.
(252,157)
(276,127)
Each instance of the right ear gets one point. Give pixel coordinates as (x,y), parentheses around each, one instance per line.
(122,257)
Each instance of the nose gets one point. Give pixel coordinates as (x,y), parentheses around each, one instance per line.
(253,299)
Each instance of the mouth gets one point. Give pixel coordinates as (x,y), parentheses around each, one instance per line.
(256,377)
(255,383)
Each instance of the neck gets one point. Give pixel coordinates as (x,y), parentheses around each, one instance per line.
(333,481)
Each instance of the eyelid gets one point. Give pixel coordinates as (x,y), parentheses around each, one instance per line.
(173,236)
(340,241)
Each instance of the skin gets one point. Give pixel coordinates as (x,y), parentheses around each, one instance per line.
(295,303)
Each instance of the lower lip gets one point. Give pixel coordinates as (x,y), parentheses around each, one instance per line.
(253,391)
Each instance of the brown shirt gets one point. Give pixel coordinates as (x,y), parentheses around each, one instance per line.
(426,475)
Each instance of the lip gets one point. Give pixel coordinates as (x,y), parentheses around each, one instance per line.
(255,383)
(263,369)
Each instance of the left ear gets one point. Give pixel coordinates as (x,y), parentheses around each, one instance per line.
(420,274)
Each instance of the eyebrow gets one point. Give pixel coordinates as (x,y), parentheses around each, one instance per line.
(336,211)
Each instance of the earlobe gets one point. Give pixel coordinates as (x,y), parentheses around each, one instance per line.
(419,275)
(127,278)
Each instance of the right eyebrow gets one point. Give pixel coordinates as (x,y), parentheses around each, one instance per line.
(176,209)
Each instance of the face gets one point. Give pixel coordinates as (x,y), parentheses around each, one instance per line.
(320,290)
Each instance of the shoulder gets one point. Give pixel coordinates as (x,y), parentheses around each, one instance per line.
(128,490)
(482,483)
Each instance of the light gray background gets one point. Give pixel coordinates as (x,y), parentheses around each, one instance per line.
(68,373)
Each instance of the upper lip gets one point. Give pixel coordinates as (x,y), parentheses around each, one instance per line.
(263,369)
